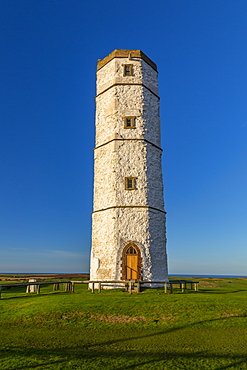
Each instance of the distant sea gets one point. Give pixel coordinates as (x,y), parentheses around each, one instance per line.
(210,276)
(170,275)
(43,273)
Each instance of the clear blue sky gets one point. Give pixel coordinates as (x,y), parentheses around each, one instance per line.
(49,50)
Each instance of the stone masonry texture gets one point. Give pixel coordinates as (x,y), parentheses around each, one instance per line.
(120,216)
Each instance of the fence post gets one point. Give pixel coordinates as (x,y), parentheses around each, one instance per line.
(170,287)
(56,286)
(138,287)
(130,287)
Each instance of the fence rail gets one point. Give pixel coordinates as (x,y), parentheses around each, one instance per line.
(69,287)
(130,285)
(135,285)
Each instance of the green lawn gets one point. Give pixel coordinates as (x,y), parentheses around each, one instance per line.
(115,330)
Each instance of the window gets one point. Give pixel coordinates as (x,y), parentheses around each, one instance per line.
(128,70)
(130,183)
(131,250)
(129,122)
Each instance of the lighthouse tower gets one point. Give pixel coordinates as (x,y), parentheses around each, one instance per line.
(128,228)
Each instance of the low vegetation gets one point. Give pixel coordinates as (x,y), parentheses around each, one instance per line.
(116,330)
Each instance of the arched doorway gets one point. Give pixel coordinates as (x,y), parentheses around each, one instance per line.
(131,263)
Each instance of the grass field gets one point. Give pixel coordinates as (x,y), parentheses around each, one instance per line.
(115,330)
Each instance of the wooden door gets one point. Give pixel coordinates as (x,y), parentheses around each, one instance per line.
(132,266)
(132,263)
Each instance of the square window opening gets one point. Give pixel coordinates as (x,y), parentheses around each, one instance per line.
(130,183)
(129,122)
(128,70)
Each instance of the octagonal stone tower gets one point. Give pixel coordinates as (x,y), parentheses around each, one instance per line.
(128,229)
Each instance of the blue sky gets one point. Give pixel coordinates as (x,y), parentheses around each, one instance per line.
(49,51)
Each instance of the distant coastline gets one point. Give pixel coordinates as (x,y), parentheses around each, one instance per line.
(86,273)
(44,273)
(209,276)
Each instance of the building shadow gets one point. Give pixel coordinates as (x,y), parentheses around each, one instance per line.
(107,352)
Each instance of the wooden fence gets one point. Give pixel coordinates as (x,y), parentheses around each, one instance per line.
(132,286)
(69,287)
(136,285)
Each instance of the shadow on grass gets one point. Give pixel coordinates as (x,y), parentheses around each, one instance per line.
(90,354)
(32,295)
(167,330)
(222,291)
(127,359)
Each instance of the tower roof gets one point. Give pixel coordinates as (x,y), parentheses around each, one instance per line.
(125,53)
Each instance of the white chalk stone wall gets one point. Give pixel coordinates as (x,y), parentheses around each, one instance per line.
(127,216)
(143,227)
